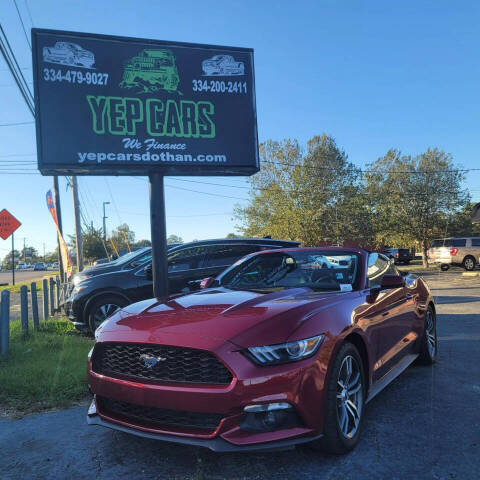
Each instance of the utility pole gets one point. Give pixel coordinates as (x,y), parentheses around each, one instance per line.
(24,251)
(78,226)
(58,212)
(44,252)
(104,222)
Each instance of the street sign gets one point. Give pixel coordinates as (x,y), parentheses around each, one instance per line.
(8,224)
(126,106)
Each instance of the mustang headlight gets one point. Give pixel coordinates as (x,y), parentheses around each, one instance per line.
(285,352)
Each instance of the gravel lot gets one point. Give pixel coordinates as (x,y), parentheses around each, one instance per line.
(425,425)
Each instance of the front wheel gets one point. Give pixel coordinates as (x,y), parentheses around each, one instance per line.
(345,402)
(429,345)
(103,308)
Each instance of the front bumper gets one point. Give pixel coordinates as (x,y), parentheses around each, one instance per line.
(301,385)
(216,444)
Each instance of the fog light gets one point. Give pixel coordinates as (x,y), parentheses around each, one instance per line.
(269,417)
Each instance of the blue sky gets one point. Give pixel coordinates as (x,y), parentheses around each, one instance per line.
(375,75)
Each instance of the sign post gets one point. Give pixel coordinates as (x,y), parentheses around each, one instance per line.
(127,106)
(8,224)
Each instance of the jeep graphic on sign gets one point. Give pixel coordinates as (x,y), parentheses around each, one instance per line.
(224,65)
(68,53)
(151,70)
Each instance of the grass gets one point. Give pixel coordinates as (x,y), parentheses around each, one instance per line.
(45,369)
(16,288)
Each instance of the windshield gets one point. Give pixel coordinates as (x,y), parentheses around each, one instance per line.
(127,257)
(318,270)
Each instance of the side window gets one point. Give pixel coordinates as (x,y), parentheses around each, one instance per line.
(475,242)
(459,242)
(378,266)
(226,255)
(185,259)
(140,260)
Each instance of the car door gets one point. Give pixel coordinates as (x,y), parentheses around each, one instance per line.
(391,319)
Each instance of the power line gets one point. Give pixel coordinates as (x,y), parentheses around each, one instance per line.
(14,124)
(14,67)
(23,25)
(29,13)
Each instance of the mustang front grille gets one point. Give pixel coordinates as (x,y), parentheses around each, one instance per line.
(159,363)
(158,416)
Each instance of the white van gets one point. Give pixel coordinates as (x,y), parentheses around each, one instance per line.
(464,251)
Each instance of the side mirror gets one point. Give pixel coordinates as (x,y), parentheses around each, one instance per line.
(207,283)
(148,272)
(392,281)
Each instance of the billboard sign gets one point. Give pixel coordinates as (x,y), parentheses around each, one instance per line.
(125,106)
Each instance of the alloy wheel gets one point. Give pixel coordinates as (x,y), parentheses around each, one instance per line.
(469,264)
(431,333)
(103,312)
(349,397)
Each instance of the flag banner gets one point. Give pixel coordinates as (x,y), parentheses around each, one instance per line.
(66,258)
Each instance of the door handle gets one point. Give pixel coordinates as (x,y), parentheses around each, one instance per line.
(384,314)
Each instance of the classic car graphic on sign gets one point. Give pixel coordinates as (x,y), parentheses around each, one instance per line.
(224,65)
(67,53)
(151,70)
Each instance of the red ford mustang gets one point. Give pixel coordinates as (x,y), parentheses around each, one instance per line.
(284,347)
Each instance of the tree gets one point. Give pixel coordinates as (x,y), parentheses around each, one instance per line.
(7,260)
(123,237)
(93,246)
(459,224)
(142,243)
(411,197)
(232,235)
(172,238)
(312,197)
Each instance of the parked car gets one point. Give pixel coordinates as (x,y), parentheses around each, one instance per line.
(68,53)
(21,266)
(284,347)
(399,255)
(222,65)
(39,266)
(55,265)
(463,251)
(103,292)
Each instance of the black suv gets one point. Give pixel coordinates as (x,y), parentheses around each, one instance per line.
(399,255)
(97,295)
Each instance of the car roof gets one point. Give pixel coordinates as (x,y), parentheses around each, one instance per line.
(233,241)
(359,251)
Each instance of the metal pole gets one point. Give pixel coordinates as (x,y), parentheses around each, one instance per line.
(24,308)
(13,260)
(104,222)
(58,211)
(5,323)
(78,225)
(159,237)
(33,293)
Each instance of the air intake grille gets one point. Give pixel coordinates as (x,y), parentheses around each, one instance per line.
(172,364)
(151,416)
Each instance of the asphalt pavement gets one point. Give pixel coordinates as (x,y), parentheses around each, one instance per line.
(23,275)
(425,425)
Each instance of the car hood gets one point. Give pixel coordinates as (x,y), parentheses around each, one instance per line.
(244,318)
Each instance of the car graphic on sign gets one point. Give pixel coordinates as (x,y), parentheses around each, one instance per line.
(224,65)
(68,53)
(151,70)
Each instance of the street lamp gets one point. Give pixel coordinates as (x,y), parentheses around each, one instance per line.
(104,223)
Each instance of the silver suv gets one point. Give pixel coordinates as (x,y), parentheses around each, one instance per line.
(464,251)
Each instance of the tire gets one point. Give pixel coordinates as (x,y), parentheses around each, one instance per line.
(444,267)
(429,343)
(102,308)
(340,437)
(469,263)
